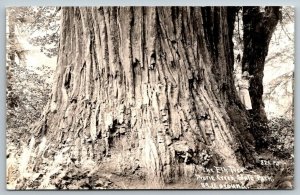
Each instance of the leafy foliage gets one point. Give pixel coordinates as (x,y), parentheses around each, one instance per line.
(42,23)
(278,159)
(282,137)
(31,92)
(28,89)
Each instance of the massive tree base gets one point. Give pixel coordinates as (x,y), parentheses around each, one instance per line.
(149,86)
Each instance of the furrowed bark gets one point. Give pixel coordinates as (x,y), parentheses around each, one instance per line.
(158,80)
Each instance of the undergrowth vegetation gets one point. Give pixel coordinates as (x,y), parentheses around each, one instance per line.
(37,167)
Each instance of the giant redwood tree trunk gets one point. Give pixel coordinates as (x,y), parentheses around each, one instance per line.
(157,80)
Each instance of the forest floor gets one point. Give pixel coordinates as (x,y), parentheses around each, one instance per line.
(276,161)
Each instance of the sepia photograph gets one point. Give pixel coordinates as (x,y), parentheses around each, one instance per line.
(150,97)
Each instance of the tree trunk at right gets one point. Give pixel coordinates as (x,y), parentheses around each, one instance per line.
(258,29)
